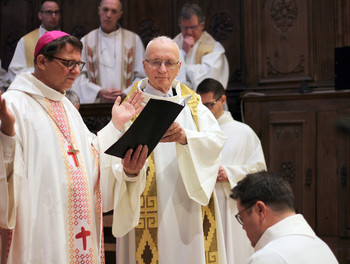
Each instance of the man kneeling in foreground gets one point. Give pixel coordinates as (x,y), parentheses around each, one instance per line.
(265,205)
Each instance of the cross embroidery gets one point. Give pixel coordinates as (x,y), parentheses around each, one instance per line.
(74,153)
(83,234)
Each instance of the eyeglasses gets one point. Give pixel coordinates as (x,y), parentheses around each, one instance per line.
(158,63)
(211,105)
(194,27)
(50,12)
(238,215)
(70,64)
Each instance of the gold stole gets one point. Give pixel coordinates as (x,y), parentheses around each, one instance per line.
(30,41)
(146,233)
(205,46)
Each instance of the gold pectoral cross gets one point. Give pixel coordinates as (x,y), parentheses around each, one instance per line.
(74,153)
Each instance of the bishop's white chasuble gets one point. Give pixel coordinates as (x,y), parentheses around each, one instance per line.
(57,181)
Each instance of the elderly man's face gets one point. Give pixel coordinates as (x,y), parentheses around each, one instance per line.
(166,52)
(56,74)
(110,12)
(50,15)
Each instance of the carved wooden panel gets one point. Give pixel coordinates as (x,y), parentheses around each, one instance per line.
(301,140)
(343,179)
(290,156)
(342,15)
(79,18)
(223,22)
(284,41)
(333,218)
(327,142)
(149,20)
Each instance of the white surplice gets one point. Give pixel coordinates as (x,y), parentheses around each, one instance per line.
(186,176)
(292,241)
(18,63)
(213,65)
(33,182)
(241,154)
(110,49)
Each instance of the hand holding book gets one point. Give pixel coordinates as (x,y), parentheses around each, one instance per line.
(150,126)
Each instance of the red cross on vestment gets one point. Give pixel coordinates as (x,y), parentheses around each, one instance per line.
(74,153)
(83,234)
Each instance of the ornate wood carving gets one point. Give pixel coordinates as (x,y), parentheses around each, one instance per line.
(287,171)
(283,41)
(148,30)
(220,25)
(272,71)
(284,13)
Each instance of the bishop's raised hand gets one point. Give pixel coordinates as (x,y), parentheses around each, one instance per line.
(122,113)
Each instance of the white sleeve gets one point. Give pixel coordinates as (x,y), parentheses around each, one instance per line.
(7,181)
(119,192)
(213,65)
(199,159)
(251,157)
(182,73)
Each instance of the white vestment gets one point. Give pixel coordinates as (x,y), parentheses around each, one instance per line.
(36,190)
(291,241)
(213,64)
(185,177)
(110,50)
(242,154)
(18,63)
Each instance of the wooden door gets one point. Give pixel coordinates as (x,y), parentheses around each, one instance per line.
(291,153)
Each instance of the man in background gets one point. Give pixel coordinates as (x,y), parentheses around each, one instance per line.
(241,154)
(22,60)
(203,56)
(113,57)
(266,211)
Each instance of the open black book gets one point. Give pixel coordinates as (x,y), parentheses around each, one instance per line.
(149,127)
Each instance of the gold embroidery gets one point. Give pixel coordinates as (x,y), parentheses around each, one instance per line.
(146,235)
(146,239)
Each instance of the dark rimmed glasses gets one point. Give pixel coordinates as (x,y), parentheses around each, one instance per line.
(158,63)
(238,215)
(211,104)
(70,64)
